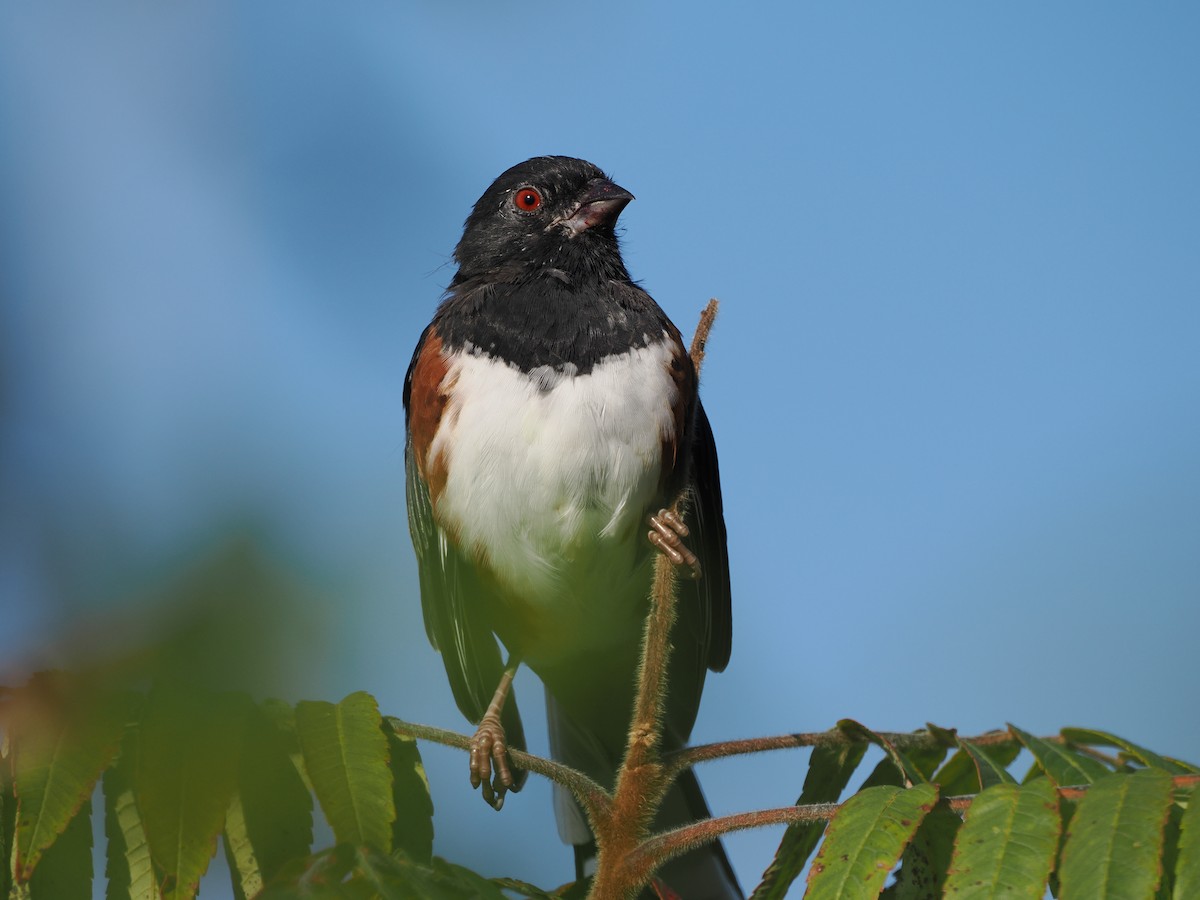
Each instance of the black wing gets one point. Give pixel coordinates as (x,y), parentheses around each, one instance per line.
(709,527)
(450,592)
(704,627)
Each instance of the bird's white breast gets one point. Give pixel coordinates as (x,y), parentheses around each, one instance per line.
(550,473)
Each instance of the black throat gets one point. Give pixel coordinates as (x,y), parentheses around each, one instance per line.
(567,313)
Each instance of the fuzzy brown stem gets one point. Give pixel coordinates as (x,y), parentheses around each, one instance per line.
(594,799)
(687,757)
(642,780)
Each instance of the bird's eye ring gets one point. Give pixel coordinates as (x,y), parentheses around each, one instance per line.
(527,199)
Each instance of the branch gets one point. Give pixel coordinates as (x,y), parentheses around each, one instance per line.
(666,846)
(684,758)
(641,784)
(591,796)
(645,730)
(700,338)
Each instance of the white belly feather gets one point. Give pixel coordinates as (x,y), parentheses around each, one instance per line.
(549,472)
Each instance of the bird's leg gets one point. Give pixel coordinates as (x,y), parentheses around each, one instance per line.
(489,745)
(667,531)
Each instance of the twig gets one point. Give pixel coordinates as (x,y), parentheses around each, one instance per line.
(649,853)
(590,795)
(670,844)
(700,338)
(642,779)
(678,760)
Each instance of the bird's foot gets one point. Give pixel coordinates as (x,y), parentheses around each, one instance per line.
(667,532)
(489,747)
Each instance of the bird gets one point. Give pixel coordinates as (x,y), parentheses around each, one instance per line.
(552,414)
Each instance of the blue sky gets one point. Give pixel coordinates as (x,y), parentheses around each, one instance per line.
(954,382)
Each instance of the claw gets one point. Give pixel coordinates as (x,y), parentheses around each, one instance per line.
(489,761)
(666,534)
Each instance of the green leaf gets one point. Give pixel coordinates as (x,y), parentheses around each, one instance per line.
(1170,855)
(1115,842)
(525,889)
(961,774)
(908,771)
(1007,844)
(865,839)
(927,759)
(1187,866)
(185,775)
(925,862)
(321,876)
(345,753)
(1035,772)
(128,867)
(829,770)
(283,717)
(8,821)
(412,831)
(65,736)
(65,872)
(1185,768)
(399,877)
(348,873)
(1093,737)
(987,769)
(1062,766)
(885,774)
(247,878)
(269,820)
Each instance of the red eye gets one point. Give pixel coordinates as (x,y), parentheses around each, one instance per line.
(527,199)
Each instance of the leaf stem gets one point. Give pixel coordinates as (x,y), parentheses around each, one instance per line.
(591,796)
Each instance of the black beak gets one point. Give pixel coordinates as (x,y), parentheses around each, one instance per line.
(600,204)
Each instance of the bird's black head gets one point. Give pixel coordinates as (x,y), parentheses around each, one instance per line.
(547,212)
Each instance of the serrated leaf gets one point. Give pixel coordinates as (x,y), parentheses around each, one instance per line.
(829,770)
(960,775)
(64,736)
(525,889)
(1062,766)
(1094,737)
(269,820)
(244,872)
(1170,854)
(1035,772)
(128,867)
(349,873)
(283,717)
(322,875)
(1187,865)
(1007,844)
(185,774)
(986,768)
(926,859)
(1115,842)
(946,737)
(885,774)
(8,824)
(1186,768)
(345,754)
(908,771)
(65,872)
(865,839)
(412,832)
(454,881)
(927,759)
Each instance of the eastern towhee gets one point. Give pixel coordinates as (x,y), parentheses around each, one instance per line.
(552,412)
